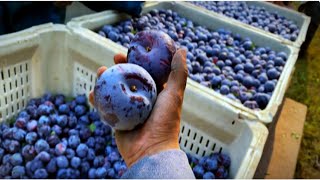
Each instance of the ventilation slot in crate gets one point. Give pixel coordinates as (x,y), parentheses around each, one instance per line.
(84,79)
(15,89)
(195,141)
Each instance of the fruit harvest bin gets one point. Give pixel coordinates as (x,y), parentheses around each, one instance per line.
(300,19)
(86,25)
(59,60)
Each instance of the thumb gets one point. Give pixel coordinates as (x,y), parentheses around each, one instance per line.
(120,58)
(179,72)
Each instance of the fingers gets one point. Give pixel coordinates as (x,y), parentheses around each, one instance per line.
(101,70)
(62,4)
(91,98)
(160,88)
(179,72)
(120,58)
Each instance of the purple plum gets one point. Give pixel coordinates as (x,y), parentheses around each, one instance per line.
(153,50)
(124,96)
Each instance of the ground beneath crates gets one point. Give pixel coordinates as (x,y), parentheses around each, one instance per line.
(281,150)
(305,88)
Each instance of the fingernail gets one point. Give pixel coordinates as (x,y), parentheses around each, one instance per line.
(101,70)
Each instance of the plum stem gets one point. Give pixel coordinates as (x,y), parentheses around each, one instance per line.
(133,88)
(148,49)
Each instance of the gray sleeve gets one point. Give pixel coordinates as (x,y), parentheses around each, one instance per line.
(171,164)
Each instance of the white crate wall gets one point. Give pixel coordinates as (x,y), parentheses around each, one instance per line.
(194,141)
(84,79)
(15,83)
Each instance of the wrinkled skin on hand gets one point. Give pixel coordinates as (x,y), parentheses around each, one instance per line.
(161,130)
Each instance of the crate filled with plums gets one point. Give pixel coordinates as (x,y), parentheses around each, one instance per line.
(288,25)
(244,70)
(48,129)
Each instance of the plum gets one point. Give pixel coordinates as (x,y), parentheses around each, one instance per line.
(256,16)
(226,62)
(153,50)
(124,96)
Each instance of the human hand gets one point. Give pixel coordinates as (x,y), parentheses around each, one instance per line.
(62,4)
(160,132)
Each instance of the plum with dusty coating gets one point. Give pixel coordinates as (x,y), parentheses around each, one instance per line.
(153,50)
(124,96)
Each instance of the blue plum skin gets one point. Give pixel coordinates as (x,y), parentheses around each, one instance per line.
(21,123)
(62,162)
(223,159)
(124,96)
(30,152)
(62,120)
(72,122)
(198,171)
(153,50)
(60,149)
(44,120)
(80,110)
(18,172)
(269,86)
(219,53)
(208,175)
(70,153)
(273,73)
(41,145)
(32,125)
(43,130)
(53,140)
(211,164)
(256,16)
(251,104)
(113,36)
(113,157)
(224,89)
(31,137)
(64,109)
(16,159)
(82,150)
(52,166)
(57,129)
(101,172)
(262,99)
(91,154)
(75,162)
(98,161)
(92,173)
(84,119)
(40,174)
(90,142)
(43,156)
(74,141)
(81,99)
(62,174)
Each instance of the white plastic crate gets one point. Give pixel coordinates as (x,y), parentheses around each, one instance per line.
(86,25)
(56,59)
(300,19)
